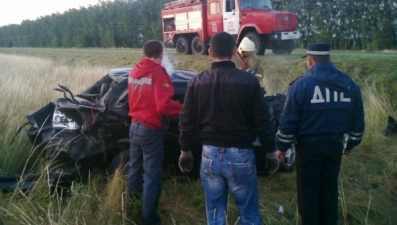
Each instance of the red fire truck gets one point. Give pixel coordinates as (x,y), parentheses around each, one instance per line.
(188,25)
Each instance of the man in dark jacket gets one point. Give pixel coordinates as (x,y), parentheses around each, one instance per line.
(322,108)
(226,108)
(150,99)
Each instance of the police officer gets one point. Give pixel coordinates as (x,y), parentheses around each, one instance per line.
(321,107)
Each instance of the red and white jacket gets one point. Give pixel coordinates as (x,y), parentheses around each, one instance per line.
(150,92)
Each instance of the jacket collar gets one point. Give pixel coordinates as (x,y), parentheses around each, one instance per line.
(223,64)
(327,73)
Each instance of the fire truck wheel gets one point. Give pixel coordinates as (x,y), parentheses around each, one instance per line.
(283,47)
(183,46)
(259,44)
(199,47)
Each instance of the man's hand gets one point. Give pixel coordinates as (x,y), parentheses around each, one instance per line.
(347,152)
(186,161)
(272,163)
(280,156)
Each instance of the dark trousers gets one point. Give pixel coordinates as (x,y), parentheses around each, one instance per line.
(146,158)
(318,164)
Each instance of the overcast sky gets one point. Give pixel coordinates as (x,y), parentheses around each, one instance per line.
(15,11)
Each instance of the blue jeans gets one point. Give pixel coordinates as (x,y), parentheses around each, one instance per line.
(233,169)
(146,159)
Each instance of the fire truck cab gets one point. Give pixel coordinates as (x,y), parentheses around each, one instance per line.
(188,25)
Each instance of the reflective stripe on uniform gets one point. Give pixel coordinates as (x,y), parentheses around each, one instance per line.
(286,138)
(355,136)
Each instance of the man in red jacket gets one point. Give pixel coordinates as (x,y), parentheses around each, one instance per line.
(150,99)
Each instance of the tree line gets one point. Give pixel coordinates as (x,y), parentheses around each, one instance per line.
(346,24)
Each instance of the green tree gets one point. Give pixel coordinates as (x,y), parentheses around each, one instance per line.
(346,24)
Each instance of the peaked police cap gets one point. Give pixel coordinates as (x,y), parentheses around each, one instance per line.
(320,48)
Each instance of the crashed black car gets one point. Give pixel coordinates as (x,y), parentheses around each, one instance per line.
(87,130)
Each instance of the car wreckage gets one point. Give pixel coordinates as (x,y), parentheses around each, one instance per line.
(87,130)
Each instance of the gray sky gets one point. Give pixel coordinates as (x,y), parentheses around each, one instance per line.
(15,11)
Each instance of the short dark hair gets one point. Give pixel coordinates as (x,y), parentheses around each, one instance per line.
(152,49)
(222,45)
(320,58)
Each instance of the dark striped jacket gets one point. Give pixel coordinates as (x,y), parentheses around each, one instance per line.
(323,103)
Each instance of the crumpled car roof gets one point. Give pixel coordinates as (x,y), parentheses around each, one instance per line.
(179,77)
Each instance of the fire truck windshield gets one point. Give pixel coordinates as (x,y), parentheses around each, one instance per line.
(255,4)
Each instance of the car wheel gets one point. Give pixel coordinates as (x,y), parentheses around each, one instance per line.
(61,163)
(289,161)
(121,160)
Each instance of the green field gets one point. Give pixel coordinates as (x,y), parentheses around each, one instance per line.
(368,179)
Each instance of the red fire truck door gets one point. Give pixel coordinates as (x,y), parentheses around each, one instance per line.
(215,17)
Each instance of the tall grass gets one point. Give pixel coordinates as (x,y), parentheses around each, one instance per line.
(368,178)
(26,84)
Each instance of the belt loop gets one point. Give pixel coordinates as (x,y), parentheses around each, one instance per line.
(222,149)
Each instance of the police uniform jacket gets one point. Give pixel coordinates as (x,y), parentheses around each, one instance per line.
(324,103)
(225,107)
